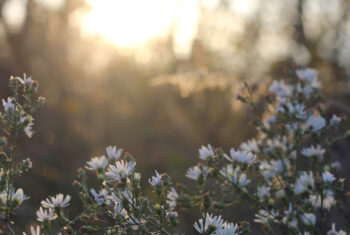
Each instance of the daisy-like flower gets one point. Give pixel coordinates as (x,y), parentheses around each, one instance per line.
(327,201)
(45,215)
(335,120)
(113,152)
(97,163)
(308,219)
(18,197)
(27,80)
(263,216)
(210,221)
(304,182)
(328,177)
(172,198)
(280,89)
(34,231)
(205,152)
(120,170)
(227,229)
(156,180)
(100,197)
(316,122)
(313,151)
(309,76)
(28,130)
(297,109)
(56,202)
(9,106)
(235,176)
(241,156)
(250,146)
(193,172)
(333,231)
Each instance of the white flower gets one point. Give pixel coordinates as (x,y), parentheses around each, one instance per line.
(313,151)
(113,152)
(156,180)
(206,152)
(235,176)
(34,231)
(316,122)
(45,215)
(308,219)
(172,198)
(27,80)
(8,105)
(193,172)
(335,120)
(250,146)
(297,109)
(121,170)
(97,163)
(328,177)
(333,231)
(263,216)
(241,156)
(304,182)
(56,202)
(263,191)
(28,130)
(280,89)
(327,202)
(18,197)
(210,220)
(227,229)
(289,219)
(100,197)
(309,76)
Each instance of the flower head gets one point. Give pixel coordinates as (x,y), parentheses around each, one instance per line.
(28,130)
(328,177)
(193,172)
(9,106)
(210,221)
(56,202)
(113,152)
(304,182)
(120,170)
(45,214)
(100,197)
(241,156)
(97,163)
(313,151)
(316,122)
(156,180)
(205,152)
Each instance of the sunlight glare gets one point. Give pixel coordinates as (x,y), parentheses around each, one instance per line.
(135,22)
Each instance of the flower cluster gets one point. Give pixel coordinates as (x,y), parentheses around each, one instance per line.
(285,175)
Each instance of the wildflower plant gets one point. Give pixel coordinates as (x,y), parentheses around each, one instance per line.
(285,175)
(16,124)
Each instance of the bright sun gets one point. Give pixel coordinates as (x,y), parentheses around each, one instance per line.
(135,22)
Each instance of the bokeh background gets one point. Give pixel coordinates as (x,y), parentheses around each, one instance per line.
(159,77)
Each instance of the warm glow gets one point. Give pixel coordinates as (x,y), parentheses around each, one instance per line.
(135,22)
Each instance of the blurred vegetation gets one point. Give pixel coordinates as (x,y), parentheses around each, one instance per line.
(162,111)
